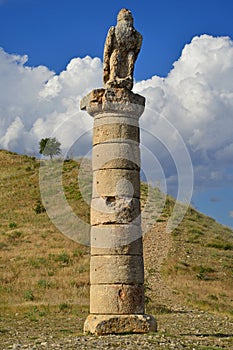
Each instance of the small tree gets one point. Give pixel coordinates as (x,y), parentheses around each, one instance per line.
(50,146)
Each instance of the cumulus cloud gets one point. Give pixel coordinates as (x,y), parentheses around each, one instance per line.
(231,214)
(195,99)
(36,103)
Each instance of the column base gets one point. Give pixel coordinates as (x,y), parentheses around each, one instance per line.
(119,324)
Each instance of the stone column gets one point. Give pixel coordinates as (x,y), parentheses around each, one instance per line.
(116,267)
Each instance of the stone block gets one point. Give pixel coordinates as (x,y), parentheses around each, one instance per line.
(114,118)
(117,131)
(118,183)
(111,210)
(119,324)
(113,100)
(116,156)
(116,239)
(110,269)
(116,299)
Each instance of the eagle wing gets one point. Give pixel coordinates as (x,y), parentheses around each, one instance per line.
(108,48)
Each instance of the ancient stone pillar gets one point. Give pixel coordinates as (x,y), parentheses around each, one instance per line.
(116,267)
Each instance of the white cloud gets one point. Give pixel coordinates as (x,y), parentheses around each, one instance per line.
(196,98)
(231,214)
(35,103)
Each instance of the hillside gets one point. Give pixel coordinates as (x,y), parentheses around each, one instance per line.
(43,274)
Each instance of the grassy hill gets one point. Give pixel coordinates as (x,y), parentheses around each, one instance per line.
(42,272)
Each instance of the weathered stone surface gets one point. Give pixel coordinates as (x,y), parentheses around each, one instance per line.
(118,131)
(115,163)
(121,49)
(110,269)
(119,299)
(116,269)
(116,183)
(115,155)
(116,239)
(113,100)
(115,324)
(113,210)
(93,100)
(106,118)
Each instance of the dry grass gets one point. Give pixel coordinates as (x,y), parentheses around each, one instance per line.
(200,265)
(38,264)
(41,269)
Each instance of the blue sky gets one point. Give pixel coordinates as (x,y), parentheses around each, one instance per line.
(51,32)
(39,39)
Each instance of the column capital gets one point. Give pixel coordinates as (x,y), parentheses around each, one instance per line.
(113,100)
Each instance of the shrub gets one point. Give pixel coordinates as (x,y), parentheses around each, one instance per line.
(28,295)
(39,208)
(63,257)
(220,245)
(12,225)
